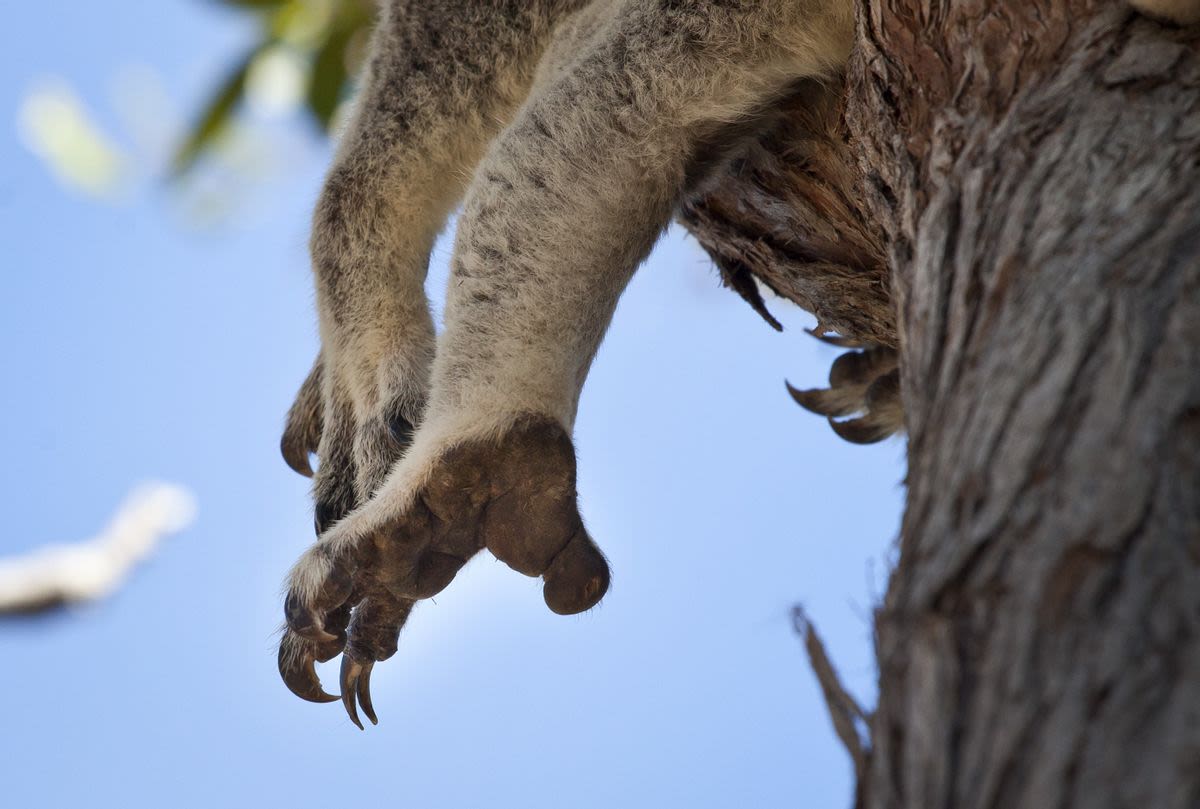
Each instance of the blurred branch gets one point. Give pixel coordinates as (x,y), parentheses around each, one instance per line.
(217,113)
(57,575)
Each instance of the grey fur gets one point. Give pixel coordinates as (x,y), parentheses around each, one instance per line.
(595,114)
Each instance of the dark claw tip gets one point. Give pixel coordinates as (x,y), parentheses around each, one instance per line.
(299,673)
(810,400)
(296,455)
(364,693)
(350,673)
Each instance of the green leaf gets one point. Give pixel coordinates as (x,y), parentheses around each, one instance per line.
(328,78)
(216,115)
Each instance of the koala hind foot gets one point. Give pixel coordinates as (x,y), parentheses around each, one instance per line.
(514,495)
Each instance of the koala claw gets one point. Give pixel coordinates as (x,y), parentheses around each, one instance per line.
(297,666)
(373,636)
(863,382)
(356,683)
(302,433)
(363,689)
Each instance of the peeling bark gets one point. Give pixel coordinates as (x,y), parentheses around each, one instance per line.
(1032,172)
(791,215)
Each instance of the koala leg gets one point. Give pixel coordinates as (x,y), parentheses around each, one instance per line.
(441,81)
(567,202)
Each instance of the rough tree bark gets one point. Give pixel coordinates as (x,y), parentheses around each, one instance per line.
(1026,176)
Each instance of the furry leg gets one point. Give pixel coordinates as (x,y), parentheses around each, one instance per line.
(573,194)
(442,79)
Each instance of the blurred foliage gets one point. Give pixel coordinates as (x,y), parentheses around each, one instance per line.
(56,125)
(319,43)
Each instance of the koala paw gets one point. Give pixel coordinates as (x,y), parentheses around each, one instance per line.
(863,382)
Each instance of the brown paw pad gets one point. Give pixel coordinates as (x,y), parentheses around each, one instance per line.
(434,574)
(577,578)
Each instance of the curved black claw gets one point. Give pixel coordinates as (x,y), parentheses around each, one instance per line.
(351,672)
(302,433)
(860,382)
(364,693)
(297,454)
(826,401)
(297,666)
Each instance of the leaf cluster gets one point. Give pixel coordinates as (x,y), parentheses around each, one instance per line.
(328,36)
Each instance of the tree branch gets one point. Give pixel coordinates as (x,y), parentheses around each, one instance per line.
(58,575)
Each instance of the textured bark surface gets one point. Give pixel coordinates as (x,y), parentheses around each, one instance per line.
(1034,166)
(1040,641)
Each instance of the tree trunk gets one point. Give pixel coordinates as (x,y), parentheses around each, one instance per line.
(1032,172)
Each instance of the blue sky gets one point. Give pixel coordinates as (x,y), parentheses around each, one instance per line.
(143,345)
